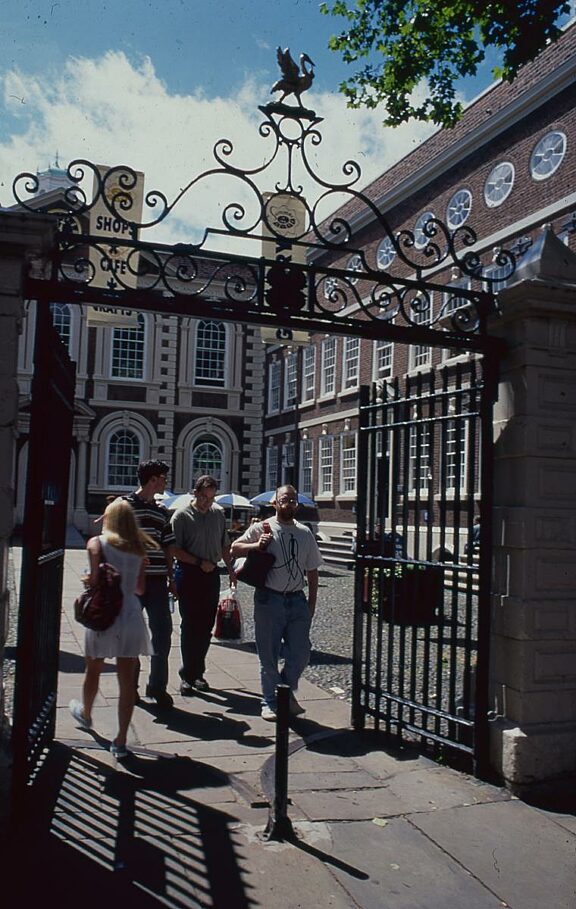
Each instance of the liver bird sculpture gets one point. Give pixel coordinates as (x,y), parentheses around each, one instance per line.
(294,80)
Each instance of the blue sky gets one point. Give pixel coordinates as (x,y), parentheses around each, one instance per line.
(155,84)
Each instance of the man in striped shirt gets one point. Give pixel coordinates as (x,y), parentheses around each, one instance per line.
(154,519)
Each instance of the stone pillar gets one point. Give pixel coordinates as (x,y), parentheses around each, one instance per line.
(21,235)
(533,649)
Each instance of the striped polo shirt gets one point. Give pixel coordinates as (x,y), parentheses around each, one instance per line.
(154,520)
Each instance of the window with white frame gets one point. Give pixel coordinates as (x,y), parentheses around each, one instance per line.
(290,379)
(383,354)
(455,455)
(548,155)
(459,208)
(288,462)
(452,302)
(210,364)
(348,464)
(354,264)
(350,363)
(271,467)
(128,351)
(330,286)
(305,479)
(326,465)
(421,237)
(124,455)
(419,457)
(274,387)
(499,184)
(308,373)
(385,254)
(207,458)
(421,314)
(62,322)
(328,377)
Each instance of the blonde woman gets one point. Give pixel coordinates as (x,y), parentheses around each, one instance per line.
(124,546)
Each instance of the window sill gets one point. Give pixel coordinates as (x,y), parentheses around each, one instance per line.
(348,392)
(347,497)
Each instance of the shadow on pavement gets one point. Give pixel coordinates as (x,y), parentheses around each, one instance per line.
(94,835)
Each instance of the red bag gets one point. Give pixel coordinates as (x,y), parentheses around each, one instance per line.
(99,606)
(228,626)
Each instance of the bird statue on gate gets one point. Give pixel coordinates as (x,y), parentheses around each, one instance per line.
(294,80)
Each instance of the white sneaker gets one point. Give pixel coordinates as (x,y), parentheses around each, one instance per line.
(77,711)
(267,713)
(296,709)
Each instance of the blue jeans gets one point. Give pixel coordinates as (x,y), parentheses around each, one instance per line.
(281,619)
(157,606)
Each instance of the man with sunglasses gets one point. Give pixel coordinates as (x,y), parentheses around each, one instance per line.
(282,611)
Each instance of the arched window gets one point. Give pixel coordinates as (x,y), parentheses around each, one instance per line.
(123,459)
(128,351)
(548,155)
(499,184)
(62,321)
(210,353)
(207,458)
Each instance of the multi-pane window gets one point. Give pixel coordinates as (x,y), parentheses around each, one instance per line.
(350,363)
(308,373)
(326,465)
(271,467)
(305,479)
(383,351)
(455,454)
(419,454)
(348,464)
(354,264)
(128,351)
(385,254)
(499,184)
(62,321)
(210,353)
(548,155)
(207,459)
(328,380)
(274,387)
(123,459)
(452,302)
(459,208)
(290,379)
(421,354)
(288,462)
(421,236)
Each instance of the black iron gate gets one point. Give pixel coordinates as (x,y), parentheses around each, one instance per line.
(422,571)
(43,546)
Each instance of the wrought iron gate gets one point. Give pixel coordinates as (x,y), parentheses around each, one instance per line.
(43,547)
(422,570)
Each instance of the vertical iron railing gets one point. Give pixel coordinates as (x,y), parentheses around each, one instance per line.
(43,542)
(422,592)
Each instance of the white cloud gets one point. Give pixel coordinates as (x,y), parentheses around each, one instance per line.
(111,110)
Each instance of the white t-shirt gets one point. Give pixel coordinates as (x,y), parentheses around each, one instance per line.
(296,552)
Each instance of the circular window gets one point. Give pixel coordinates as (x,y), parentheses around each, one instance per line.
(354,264)
(499,184)
(459,208)
(385,254)
(548,155)
(420,238)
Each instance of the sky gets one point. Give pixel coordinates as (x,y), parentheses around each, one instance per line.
(155,84)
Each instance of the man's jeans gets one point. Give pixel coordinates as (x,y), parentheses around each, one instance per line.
(198,594)
(281,618)
(156,603)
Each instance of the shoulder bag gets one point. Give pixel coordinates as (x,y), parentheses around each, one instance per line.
(99,606)
(256,565)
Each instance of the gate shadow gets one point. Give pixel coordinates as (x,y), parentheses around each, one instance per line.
(96,836)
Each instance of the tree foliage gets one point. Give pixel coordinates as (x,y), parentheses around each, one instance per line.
(401,45)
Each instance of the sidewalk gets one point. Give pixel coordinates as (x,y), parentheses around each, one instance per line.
(180,824)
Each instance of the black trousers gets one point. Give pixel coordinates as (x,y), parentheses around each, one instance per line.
(198,594)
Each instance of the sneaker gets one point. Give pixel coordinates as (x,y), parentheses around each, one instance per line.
(120,752)
(201,684)
(186,690)
(295,708)
(267,713)
(77,711)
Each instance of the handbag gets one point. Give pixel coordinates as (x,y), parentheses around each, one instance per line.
(256,565)
(99,606)
(228,625)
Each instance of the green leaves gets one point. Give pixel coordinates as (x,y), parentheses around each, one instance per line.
(420,48)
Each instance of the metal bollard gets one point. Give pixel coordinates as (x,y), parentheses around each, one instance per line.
(279,826)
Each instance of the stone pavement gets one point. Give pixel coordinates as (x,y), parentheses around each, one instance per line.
(180,823)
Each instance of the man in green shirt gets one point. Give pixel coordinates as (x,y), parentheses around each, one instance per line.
(201,542)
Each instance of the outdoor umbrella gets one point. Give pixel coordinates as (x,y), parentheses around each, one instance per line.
(233,500)
(163,497)
(178,501)
(266,498)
